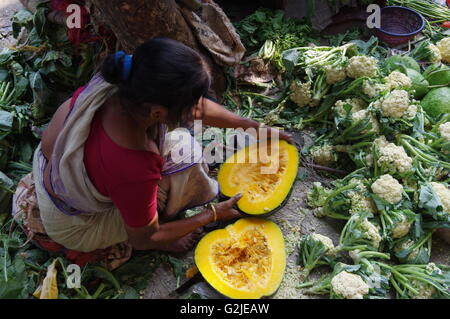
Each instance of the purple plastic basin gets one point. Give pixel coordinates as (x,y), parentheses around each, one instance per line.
(399,25)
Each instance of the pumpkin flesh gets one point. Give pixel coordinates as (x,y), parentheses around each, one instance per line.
(244,260)
(262,192)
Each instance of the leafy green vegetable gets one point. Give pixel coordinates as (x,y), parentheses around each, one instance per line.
(313,252)
(396,62)
(421,281)
(437,101)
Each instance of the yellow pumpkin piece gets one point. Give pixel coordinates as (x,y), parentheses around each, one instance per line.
(245,260)
(49,287)
(263,173)
(191,272)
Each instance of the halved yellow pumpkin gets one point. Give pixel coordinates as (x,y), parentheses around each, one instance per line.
(245,260)
(263,173)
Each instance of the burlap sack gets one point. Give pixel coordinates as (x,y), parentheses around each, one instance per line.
(216,33)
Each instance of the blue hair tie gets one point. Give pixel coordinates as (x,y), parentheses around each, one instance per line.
(126,65)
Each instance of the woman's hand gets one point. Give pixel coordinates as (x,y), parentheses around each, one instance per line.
(283,135)
(225,210)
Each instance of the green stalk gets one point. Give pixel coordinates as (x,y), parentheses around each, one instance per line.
(338,191)
(98,291)
(423,156)
(404,281)
(305,285)
(349,248)
(5,258)
(258,95)
(396,287)
(431,281)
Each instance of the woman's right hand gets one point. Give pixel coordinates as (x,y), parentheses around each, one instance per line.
(225,210)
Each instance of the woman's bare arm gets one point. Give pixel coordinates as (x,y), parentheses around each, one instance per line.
(155,235)
(214,114)
(54,127)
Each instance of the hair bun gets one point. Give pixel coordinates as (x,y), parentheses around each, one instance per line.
(111,71)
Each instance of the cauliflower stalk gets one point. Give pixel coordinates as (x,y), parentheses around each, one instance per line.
(396,223)
(315,250)
(420,281)
(317,195)
(355,104)
(367,279)
(427,52)
(412,249)
(435,53)
(354,121)
(360,233)
(350,196)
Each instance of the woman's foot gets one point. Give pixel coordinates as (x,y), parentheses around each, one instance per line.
(183,244)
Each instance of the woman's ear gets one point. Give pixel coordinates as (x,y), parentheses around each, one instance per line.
(199,109)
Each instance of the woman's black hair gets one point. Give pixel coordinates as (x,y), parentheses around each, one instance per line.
(164,72)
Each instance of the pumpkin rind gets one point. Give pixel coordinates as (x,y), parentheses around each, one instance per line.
(262,193)
(262,272)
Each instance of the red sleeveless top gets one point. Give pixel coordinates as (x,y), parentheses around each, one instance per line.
(129,177)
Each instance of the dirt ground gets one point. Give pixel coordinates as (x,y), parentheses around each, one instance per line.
(7,9)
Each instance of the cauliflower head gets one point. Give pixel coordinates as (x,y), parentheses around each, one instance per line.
(443,192)
(381,141)
(335,74)
(326,241)
(436,55)
(395,158)
(407,245)
(388,188)
(364,114)
(397,104)
(372,232)
(402,228)
(360,202)
(359,66)
(425,291)
(444,130)
(349,286)
(397,80)
(356,104)
(301,93)
(372,89)
(323,154)
(444,49)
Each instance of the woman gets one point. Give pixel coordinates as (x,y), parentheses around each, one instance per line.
(103,172)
